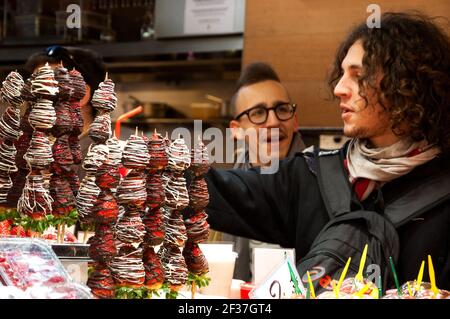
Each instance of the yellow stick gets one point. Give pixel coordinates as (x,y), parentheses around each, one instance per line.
(432,276)
(311,287)
(359,275)
(336,292)
(344,272)
(420,276)
(409,289)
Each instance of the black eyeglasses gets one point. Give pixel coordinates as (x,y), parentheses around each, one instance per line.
(259,114)
(60,53)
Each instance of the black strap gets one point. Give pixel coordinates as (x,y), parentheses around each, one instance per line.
(333,183)
(430,193)
(337,193)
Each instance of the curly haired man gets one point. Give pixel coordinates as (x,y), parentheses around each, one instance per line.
(393,84)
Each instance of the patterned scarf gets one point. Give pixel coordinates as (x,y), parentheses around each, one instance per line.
(373,167)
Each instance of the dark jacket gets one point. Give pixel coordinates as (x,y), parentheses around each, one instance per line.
(287,208)
(242,269)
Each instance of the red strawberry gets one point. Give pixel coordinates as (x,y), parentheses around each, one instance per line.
(18,231)
(5,228)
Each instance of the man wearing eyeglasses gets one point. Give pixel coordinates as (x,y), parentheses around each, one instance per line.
(261,102)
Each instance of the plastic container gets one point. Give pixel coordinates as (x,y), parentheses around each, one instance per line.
(28,262)
(63,291)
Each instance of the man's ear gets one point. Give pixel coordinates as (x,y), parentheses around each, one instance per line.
(87,96)
(236,129)
(295,120)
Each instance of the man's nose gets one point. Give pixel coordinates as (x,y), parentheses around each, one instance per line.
(272,120)
(342,89)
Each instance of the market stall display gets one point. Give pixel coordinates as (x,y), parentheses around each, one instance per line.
(96,201)
(177,199)
(31,266)
(196,225)
(9,130)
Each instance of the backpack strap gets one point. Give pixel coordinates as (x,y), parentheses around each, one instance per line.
(337,193)
(425,196)
(333,183)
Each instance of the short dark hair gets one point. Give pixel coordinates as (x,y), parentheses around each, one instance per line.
(89,63)
(413,54)
(253,73)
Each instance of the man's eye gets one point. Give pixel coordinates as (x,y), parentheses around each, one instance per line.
(284,108)
(258,112)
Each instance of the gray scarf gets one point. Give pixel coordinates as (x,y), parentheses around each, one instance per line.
(381,165)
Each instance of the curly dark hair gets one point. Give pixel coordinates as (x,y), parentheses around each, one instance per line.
(413,54)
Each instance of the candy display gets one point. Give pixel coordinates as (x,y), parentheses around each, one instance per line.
(104,97)
(100,129)
(130,229)
(154,274)
(108,177)
(95,157)
(102,177)
(157,150)
(132,191)
(10,131)
(64,82)
(10,124)
(174,266)
(197,227)
(86,198)
(39,154)
(62,153)
(5,186)
(78,85)
(35,200)
(177,196)
(76,117)
(155,191)
(75,148)
(115,152)
(102,245)
(179,157)
(63,124)
(62,195)
(175,229)
(42,115)
(199,159)
(135,154)
(7,156)
(26,90)
(11,91)
(195,260)
(127,267)
(176,200)
(100,281)
(198,194)
(43,84)
(105,210)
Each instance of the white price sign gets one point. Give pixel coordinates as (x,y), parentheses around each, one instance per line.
(209,16)
(283,282)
